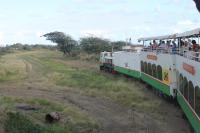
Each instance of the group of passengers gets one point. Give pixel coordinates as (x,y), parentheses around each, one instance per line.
(188,48)
(163,45)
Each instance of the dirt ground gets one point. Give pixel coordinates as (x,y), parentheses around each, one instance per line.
(111,115)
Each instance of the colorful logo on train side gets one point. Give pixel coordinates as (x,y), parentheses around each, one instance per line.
(166,77)
(190,69)
(152,57)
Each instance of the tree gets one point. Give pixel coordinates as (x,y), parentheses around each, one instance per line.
(17,46)
(95,44)
(117,46)
(197,4)
(64,42)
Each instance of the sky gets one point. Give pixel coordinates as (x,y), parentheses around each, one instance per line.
(24,21)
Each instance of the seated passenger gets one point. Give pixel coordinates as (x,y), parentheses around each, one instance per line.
(154,46)
(168,46)
(195,46)
(162,45)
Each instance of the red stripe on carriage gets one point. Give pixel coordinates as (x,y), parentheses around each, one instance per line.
(189,68)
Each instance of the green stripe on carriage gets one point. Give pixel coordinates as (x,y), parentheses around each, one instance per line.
(132,73)
(156,84)
(189,113)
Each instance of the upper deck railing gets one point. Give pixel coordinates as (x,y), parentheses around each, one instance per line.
(189,54)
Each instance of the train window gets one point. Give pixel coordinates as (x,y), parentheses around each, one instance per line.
(181,83)
(197,100)
(149,69)
(142,66)
(145,67)
(159,71)
(191,94)
(154,74)
(185,88)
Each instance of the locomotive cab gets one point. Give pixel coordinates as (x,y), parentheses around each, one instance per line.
(106,61)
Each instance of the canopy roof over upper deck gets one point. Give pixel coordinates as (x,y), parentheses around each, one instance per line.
(158,38)
(191,33)
(187,34)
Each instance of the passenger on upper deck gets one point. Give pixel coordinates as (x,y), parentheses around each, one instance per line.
(182,47)
(168,45)
(195,46)
(155,45)
(162,45)
(190,43)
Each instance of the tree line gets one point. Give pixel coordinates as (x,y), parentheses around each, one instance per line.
(68,45)
(92,45)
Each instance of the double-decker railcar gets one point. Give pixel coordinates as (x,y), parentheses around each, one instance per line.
(188,80)
(175,73)
(158,67)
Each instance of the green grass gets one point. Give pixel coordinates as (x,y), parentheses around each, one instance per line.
(19,121)
(77,74)
(95,83)
(63,72)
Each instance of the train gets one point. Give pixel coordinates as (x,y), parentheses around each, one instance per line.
(173,73)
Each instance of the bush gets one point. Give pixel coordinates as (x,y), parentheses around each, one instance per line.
(95,45)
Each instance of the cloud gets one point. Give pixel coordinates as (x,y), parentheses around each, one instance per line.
(113,19)
(185,23)
(96,33)
(40,33)
(177,1)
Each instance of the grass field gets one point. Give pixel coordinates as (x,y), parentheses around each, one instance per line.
(87,99)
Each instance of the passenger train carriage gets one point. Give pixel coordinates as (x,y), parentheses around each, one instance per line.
(175,74)
(188,77)
(158,68)
(127,63)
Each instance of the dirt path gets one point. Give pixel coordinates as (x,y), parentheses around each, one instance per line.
(113,117)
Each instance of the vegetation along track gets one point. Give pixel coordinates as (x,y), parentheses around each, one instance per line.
(92,101)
